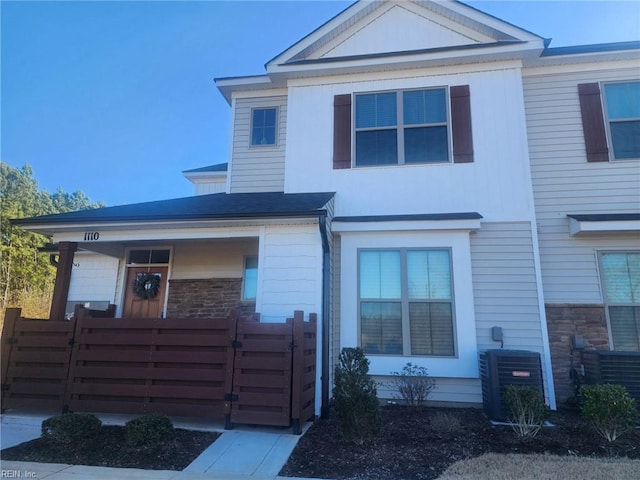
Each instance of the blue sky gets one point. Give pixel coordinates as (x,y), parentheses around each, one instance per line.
(117,98)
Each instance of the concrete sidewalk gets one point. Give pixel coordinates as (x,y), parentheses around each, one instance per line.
(246,453)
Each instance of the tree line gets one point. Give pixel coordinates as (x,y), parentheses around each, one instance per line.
(26,275)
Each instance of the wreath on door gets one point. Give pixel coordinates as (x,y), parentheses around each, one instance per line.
(146,285)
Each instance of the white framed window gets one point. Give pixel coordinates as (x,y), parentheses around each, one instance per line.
(264,126)
(622,114)
(620,275)
(402,127)
(406,302)
(250,278)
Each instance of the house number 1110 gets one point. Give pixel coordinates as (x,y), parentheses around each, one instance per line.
(91,236)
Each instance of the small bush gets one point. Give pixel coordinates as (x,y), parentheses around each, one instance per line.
(149,431)
(71,427)
(527,410)
(446,423)
(355,397)
(413,384)
(609,409)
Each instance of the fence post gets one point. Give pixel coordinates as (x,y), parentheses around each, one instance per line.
(80,313)
(232,328)
(11,316)
(297,371)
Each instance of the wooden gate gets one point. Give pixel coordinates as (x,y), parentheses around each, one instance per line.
(238,369)
(35,362)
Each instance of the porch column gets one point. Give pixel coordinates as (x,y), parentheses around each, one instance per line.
(63,278)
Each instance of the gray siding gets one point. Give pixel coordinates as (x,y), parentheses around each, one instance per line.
(257,169)
(504,285)
(565,183)
(505,288)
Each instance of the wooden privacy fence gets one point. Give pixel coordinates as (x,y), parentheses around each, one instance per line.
(233,368)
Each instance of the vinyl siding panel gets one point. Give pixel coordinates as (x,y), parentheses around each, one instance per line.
(255,168)
(93,277)
(285,287)
(565,183)
(206,188)
(458,390)
(505,287)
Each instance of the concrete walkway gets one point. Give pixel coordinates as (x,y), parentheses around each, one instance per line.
(245,453)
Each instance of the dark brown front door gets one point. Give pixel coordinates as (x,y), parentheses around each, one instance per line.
(136,306)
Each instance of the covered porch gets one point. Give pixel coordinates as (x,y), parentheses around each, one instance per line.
(206,257)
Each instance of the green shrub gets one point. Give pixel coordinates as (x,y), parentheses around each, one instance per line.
(149,431)
(609,409)
(413,384)
(355,397)
(527,410)
(71,427)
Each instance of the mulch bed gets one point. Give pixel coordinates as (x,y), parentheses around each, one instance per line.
(110,449)
(421,444)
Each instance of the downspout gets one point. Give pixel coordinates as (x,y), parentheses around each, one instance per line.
(326,307)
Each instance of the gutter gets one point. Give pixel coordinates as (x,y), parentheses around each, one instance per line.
(326,308)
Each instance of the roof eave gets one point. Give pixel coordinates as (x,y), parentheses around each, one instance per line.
(407,60)
(140,223)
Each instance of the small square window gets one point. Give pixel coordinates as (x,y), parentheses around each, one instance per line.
(263,126)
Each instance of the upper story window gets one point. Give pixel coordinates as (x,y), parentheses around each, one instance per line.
(264,126)
(622,104)
(402,127)
(620,272)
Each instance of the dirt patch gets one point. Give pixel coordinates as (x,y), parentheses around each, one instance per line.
(421,444)
(109,449)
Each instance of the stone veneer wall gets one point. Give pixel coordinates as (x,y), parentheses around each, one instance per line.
(562,322)
(207,298)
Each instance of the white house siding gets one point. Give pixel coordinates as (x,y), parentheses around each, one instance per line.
(380,33)
(290,271)
(290,278)
(211,258)
(93,278)
(565,183)
(496,185)
(211,186)
(257,168)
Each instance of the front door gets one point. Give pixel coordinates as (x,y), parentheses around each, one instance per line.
(141,302)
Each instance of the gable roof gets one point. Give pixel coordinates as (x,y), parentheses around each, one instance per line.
(378,35)
(368,29)
(218,206)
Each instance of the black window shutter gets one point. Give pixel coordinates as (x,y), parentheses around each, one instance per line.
(461,124)
(342,131)
(595,137)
